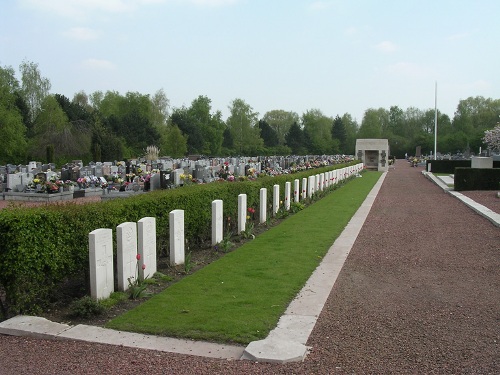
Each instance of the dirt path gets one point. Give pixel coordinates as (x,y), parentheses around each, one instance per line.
(419,293)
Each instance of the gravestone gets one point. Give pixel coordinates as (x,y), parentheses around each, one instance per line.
(101,263)
(86,171)
(147,247)
(217,221)
(288,188)
(242,212)
(311,183)
(263,206)
(13,181)
(155,182)
(276,199)
(296,190)
(176,229)
(106,170)
(126,240)
(304,188)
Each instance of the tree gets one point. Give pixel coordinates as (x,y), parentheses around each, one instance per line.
(175,142)
(372,123)
(351,130)
(211,126)
(12,142)
(268,134)
(317,131)
(280,121)
(295,140)
(339,133)
(180,117)
(34,89)
(241,122)
(492,138)
(160,107)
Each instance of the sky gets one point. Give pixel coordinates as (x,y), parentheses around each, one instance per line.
(338,56)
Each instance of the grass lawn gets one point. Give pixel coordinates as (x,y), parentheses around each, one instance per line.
(240,297)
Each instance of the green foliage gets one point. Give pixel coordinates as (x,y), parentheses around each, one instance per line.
(86,308)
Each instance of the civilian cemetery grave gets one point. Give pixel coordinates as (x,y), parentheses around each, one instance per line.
(116,243)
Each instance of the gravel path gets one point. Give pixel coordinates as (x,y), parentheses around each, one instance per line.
(419,293)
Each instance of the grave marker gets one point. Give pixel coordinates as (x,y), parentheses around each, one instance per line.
(101,263)
(146,228)
(126,240)
(176,229)
(217,221)
(242,212)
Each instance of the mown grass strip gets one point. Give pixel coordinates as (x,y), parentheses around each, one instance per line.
(240,297)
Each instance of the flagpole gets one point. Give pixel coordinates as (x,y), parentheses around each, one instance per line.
(435,121)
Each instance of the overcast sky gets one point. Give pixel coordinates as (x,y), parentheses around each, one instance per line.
(337,56)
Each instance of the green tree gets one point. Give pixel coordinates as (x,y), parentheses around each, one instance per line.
(351,130)
(35,88)
(374,121)
(339,133)
(280,121)
(242,124)
(160,107)
(268,134)
(180,117)
(211,126)
(175,144)
(317,131)
(13,141)
(295,140)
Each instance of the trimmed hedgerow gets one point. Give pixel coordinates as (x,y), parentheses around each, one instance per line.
(42,246)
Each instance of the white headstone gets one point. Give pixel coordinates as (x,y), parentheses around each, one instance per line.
(321,181)
(242,212)
(126,252)
(263,206)
(311,183)
(304,188)
(146,228)
(217,221)
(276,199)
(101,263)
(296,190)
(176,228)
(288,188)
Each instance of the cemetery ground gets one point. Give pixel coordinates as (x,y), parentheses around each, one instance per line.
(419,293)
(252,285)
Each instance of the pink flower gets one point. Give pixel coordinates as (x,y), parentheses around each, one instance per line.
(138,257)
(143,267)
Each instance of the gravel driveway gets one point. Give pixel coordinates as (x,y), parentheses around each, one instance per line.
(418,294)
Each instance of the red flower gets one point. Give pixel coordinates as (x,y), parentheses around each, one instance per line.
(138,257)
(143,267)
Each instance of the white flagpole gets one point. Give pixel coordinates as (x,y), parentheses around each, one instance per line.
(435,120)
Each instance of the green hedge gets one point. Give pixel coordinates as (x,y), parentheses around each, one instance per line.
(476,179)
(42,246)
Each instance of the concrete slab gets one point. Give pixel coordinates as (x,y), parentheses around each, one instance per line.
(32,326)
(275,350)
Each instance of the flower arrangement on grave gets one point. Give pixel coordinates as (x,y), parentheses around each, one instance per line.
(130,177)
(230,178)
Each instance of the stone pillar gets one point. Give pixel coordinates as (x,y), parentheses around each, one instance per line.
(101,263)
(242,212)
(146,228)
(176,228)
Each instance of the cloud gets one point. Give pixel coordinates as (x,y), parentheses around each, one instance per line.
(97,64)
(81,33)
(385,46)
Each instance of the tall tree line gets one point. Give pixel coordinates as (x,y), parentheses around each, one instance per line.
(100,126)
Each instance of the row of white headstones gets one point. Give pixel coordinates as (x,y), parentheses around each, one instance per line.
(136,242)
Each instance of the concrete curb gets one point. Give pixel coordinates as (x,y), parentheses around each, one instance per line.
(492,216)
